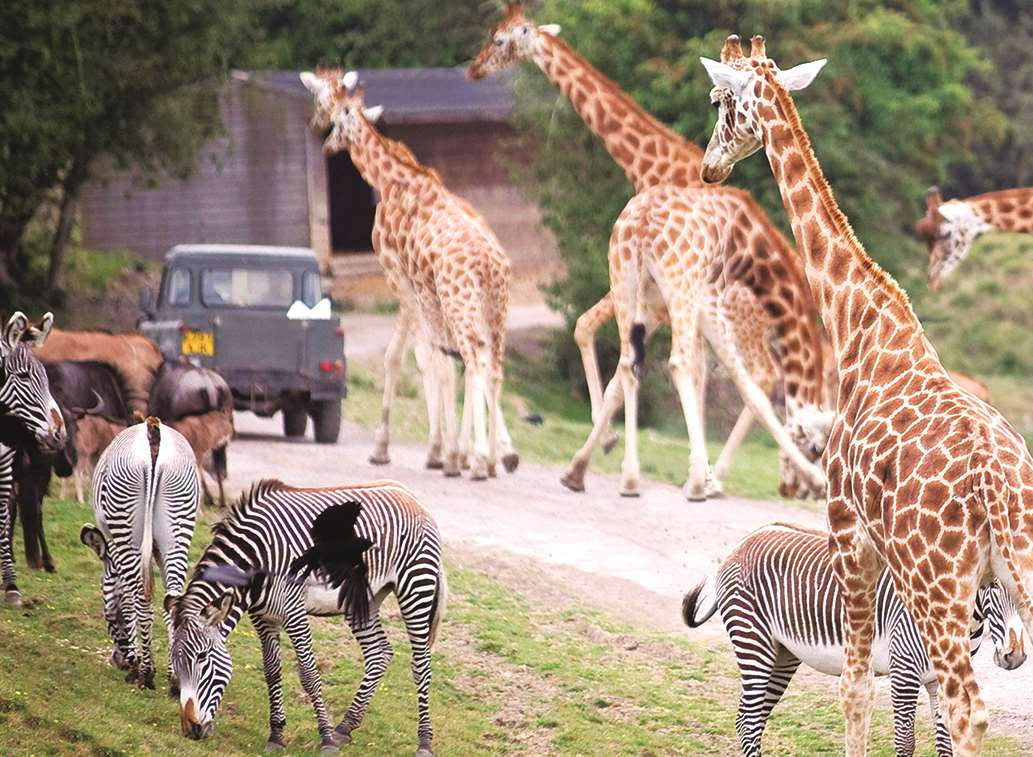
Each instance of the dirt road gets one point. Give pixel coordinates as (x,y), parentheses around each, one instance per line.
(633,557)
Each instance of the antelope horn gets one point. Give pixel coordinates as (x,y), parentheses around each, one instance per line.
(97,409)
(732,49)
(757,47)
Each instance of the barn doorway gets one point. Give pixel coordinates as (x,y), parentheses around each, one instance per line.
(351,205)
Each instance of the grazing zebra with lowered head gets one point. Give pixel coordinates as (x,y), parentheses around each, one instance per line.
(146,493)
(29,417)
(259,563)
(781,605)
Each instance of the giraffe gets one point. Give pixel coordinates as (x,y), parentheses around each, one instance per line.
(325,84)
(951,227)
(452,276)
(676,240)
(922,477)
(651,154)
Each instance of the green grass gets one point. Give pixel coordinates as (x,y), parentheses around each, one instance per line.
(96,271)
(663,454)
(512,675)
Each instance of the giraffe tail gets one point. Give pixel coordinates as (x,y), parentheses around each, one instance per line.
(638,347)
(1003,497)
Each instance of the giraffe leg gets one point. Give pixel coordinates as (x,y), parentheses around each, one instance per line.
(466,433)
(574,478)
(477,384)
(857,567)
(447,398)
(947,642)
(392,369)
(432,395)
(510,458)
(585,329)
(630,468)
(740,431)
(685,355)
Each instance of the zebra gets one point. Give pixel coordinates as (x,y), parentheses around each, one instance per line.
(781,605)
(146,494)
(251,566)
(29,416)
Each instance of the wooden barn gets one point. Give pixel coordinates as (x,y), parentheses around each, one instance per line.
(267,180)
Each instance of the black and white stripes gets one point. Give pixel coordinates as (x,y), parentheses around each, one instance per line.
(781,605)
(28,417)
(146,493)
(258,541)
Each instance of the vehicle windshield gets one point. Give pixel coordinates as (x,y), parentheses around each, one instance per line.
(247,287)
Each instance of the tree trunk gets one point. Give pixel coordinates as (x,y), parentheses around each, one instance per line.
(65,221)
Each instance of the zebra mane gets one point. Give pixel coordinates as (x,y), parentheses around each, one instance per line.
(247,501)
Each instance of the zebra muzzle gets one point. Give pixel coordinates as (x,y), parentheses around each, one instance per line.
(190,725)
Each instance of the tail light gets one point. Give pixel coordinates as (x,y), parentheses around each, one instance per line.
(339,331)
(331,366)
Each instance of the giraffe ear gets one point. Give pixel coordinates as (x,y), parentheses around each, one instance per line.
(313,83)
(725,77)
(954,211)
(349,80)
(553,30)
(373,114)
(800,76)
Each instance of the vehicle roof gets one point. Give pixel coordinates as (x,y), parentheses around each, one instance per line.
(239,250)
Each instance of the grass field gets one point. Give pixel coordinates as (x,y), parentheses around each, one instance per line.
(513,674)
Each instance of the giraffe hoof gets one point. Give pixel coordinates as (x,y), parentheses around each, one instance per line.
(610,443)
(380,458)
(479,474)
(694,493)
(13,597)
(629,493)
(573,482)
(511,462)
(434,463)
(451,470)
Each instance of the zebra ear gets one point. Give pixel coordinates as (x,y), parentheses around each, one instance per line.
(94,539)
(41,332)
(14,329)
(218,609)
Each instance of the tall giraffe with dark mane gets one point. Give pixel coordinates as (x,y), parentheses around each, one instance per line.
(774,309)
(950,228)
(922,477)
(453,277)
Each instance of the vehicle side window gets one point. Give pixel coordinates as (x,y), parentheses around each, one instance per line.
(177,288)
(311,291)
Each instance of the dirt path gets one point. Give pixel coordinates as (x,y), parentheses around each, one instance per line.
(632,557)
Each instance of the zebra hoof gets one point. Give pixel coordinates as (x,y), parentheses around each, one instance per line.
(511,462)
(274,746)
(329,747)
(341,737)
(424,751)
(146,680)
(13,597)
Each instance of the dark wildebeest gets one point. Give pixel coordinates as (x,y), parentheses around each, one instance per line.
(88,393)
(198,403)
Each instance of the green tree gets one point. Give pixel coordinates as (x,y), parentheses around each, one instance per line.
(370,33)
(130,80)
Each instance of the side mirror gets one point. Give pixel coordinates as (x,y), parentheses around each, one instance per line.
(146,301)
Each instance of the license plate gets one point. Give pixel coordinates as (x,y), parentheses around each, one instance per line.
(199,343)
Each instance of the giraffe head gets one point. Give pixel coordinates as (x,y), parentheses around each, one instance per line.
(349,116)
(515,39)
(809,427)
(325,85)
(949,228)
(744,91)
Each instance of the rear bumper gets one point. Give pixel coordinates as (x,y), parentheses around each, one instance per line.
(265,392)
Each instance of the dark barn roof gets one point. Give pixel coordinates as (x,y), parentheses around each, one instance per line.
(413,95)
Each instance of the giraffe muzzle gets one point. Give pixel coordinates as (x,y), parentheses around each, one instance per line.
(711,174)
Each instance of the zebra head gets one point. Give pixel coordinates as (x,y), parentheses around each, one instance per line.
(110,588)
(27,411)
(1006,629)
(201,663)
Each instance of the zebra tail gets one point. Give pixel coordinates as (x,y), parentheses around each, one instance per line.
(150,503)
(694,612)
(437,612)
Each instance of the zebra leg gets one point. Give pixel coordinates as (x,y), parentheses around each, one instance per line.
(269,635)
(943,737)
(904,685)
(376,656)
(417,601)
(755,655)
(786,664)
(12,596)
(137,611)
(300,634)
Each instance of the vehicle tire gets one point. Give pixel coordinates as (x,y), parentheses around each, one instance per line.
(294,422)
(326,417)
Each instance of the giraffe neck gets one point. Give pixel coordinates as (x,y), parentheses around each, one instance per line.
(1007,210)
(864,310)
(382,161)
(648,151)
